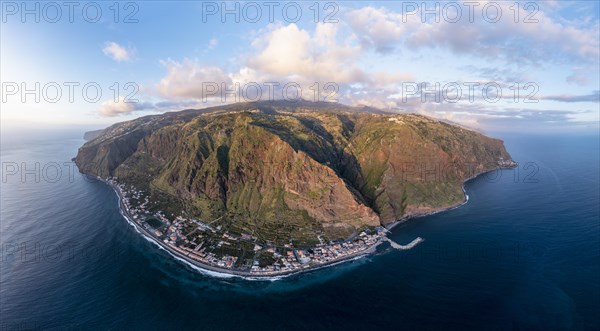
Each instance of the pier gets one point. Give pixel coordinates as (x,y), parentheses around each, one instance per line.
(404,247)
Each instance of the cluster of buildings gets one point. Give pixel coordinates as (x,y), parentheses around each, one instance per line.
(198,254)
(507,163)
(285,259)
(297,259)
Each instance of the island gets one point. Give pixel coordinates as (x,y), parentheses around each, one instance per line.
(273,188)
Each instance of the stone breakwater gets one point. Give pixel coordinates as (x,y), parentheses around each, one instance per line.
(410,245)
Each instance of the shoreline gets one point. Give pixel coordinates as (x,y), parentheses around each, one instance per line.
(218,272)
(215,271)
(457,205)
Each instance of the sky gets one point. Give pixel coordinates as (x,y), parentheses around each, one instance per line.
(492,66)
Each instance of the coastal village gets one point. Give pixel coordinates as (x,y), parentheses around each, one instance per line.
(208,246)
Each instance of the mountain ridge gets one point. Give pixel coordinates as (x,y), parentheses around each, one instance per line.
(326,168)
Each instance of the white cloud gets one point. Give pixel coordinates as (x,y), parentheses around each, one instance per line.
(111,108)
(282,54)
(377,27)
(548,39)
(117,52)
(293,53)
(190,80)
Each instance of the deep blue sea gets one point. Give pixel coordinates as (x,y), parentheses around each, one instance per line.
(522,254)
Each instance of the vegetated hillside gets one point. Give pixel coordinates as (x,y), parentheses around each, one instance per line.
(302,168)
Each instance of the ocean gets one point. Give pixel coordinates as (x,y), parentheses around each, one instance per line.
(523,253)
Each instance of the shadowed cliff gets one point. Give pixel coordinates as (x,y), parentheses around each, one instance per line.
(318,166)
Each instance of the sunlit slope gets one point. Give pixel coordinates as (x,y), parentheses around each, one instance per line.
(308,166)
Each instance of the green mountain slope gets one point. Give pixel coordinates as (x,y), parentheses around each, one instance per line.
(294,170)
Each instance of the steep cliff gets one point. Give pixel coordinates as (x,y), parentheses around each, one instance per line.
(281,165)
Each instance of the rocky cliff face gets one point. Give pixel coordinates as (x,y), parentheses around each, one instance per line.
(337,168)
(92,134)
